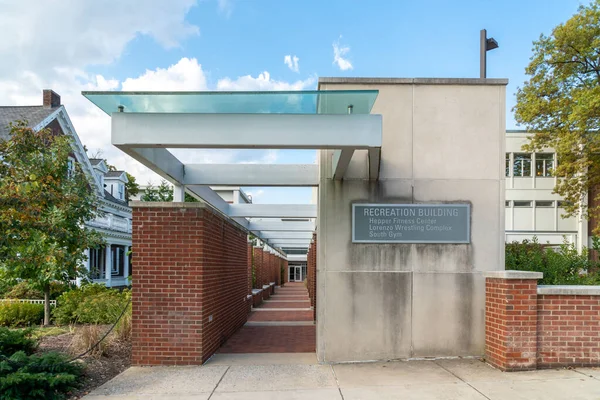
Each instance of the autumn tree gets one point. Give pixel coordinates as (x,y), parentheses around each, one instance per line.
(560,105)
(44,203)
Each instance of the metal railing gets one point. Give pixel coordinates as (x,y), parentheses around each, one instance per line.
(32,301)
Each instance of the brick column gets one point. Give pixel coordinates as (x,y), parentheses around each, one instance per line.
(189,282)
(511,319)
(258,267)
(249,260)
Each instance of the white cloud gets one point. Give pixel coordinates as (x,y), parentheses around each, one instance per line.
(42,37)
(262,82)
(186,75)
(225,7)
(339,53)
(292,62)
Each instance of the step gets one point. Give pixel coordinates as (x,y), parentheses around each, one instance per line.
(281,309)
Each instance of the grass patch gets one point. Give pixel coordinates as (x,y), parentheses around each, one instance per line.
(40,331)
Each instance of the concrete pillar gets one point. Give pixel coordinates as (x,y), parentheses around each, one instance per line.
(108,265)
(178,193)
(511,319)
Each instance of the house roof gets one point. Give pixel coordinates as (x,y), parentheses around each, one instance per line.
(113,199)
(114,174)
(32,114)
(95,161)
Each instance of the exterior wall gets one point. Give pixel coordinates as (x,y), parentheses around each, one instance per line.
(393,301)
(530,326)
(189,283)
(568,330)
(545,223)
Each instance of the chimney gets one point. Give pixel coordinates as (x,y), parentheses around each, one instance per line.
(51,99)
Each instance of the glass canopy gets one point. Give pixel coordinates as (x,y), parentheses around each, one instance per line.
(284,102)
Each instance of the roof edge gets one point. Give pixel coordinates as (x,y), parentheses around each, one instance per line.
(416,81)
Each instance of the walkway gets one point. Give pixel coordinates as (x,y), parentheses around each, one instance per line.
(299,377)
(282,324)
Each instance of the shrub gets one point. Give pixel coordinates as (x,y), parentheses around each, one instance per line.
(43,376)
(562,266)
(24,290)
(13,340)
(90,304)
(68,302)
(16,314)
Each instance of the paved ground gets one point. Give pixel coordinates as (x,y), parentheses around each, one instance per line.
(282,324)
(298,377)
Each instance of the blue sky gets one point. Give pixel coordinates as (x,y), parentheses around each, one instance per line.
(118,45)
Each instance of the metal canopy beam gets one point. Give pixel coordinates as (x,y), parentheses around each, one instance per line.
(286,235)
(340,162)
(282,226)
(273,131)
(374,160)
(251,174)
(160,161)
(273,210)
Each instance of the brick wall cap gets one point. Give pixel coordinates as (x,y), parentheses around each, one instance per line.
(582,290)
(272,284)
(513,274)
(256,291)
(165,204)
(248,297)
(266,286)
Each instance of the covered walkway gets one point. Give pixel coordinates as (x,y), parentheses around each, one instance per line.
(282,324)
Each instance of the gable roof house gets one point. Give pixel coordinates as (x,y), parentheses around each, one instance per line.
(110,264)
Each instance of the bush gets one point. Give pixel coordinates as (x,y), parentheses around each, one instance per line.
(562,266)
(44,376)
(16,314)
(23,290)
(12,340)
(90,304)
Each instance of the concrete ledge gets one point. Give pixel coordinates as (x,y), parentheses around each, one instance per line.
(266,287)
(577,290)
(415,81)
(249,297)
(272,284)
(256,291)
(513,274)
(165,204)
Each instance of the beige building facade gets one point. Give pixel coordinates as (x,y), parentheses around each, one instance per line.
(443,142)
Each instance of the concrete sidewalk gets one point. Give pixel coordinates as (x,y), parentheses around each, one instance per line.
(299,377)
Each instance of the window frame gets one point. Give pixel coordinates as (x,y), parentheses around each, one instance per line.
(523,158)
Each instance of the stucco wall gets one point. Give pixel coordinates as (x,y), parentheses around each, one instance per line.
(443,141)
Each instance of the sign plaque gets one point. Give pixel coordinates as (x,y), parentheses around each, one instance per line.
(411,223)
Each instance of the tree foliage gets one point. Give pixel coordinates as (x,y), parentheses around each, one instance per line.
(43,209)
(163,192)
(560,105)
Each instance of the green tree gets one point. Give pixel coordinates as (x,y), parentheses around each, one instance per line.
(163,192)
(560,105)
(44,203)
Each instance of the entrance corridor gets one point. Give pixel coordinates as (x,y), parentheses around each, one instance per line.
(282,324)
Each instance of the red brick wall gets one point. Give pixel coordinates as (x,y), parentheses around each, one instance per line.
(249,268)
(258,269)
(568,330)
(511,326)
(286,271)
(526,330)
(190,264)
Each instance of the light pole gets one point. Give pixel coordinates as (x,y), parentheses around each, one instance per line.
(485,44)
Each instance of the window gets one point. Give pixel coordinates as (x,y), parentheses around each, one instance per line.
(507,203)
(118,260)
(70,167)
(121,191)
(507,164)
(544,164)
(97,265)
(522,203)
(522,164)
(544,203)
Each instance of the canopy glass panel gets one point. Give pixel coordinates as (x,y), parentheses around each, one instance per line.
(282,102)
